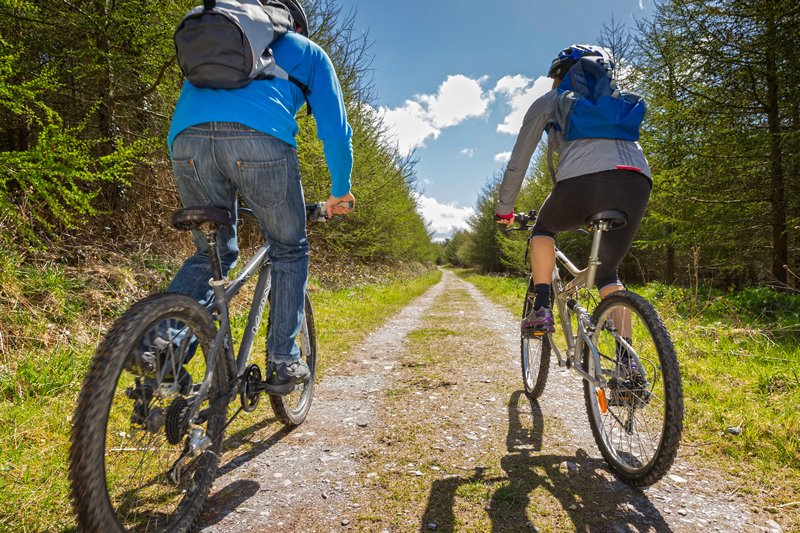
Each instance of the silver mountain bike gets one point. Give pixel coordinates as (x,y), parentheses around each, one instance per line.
(148,428)
(621,350)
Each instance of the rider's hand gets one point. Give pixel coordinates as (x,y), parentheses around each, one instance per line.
(505,220)
(340,205)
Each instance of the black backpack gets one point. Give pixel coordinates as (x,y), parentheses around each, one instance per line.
(225,44)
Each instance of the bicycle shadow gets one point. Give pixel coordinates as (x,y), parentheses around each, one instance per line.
(226,500)
(592,501)
(241,437)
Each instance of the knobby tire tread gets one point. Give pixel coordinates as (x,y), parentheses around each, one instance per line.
(544,363)
(89,494)
(284,413)
(673,392)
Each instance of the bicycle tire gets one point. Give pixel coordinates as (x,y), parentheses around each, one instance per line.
(635,393)
(534,359)
(292,409)
(99,470)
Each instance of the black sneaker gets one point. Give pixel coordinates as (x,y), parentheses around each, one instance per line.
(283,372)
(145,360)
(150,361)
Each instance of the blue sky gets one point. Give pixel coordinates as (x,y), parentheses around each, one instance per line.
(455,77)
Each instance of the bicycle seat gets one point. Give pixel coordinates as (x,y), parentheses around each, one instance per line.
(193,217)
(615,219)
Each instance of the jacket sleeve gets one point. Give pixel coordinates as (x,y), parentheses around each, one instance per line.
(539,115)
(327,102)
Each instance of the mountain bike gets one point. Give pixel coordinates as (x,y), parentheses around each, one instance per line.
(621,349)
(147,431)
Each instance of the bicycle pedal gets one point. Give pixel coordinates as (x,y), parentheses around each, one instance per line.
(276,390)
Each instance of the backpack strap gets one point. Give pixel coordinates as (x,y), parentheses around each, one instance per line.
(305,90)
(551,131)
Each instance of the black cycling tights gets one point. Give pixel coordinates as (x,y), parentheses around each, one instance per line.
(573,200)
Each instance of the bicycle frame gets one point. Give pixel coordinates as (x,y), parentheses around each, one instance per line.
(261,265)
(565,301)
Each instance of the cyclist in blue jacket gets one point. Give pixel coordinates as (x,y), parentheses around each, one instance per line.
(593,175)
(223,142)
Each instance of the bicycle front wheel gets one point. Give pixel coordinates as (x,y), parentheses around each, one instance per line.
(291,409)
(534,358)
(637,418)
(131,424)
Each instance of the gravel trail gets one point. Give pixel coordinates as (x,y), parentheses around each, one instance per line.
(316,478)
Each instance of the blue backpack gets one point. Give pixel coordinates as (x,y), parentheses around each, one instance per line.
(590,106)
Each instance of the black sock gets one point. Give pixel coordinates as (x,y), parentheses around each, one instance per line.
(542,295)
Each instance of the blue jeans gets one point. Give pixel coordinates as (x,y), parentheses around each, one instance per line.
(212,163)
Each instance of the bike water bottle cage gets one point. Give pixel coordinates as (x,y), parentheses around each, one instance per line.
(615,219)
(194,217)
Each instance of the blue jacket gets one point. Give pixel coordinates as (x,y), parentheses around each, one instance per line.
(270,106)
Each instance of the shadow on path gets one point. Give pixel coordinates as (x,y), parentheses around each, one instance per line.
(226,500)
(593,502)
(237,439)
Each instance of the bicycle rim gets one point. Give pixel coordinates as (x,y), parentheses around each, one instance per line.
(131,424)
(291,409)
(637,419)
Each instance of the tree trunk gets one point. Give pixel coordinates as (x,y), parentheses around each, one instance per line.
(780,242)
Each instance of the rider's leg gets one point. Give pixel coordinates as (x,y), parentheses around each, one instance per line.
(621,317)
(543,261)
(267,175)
(200,183)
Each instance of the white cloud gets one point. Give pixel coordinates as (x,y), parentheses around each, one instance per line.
(458,99)
(502,157)
(520,93)
(467,152)
(443,219)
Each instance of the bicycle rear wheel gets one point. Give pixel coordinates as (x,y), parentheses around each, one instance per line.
(637,419)
(534,358)
(131,422)
(292,409)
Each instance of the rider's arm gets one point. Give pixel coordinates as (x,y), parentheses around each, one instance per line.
(332,128)
(309,63)
(539,115)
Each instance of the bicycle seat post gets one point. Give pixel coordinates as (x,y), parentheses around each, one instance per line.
(214,258)
(594,255)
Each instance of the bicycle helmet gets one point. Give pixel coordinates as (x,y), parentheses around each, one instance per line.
(569,56)
(298,14)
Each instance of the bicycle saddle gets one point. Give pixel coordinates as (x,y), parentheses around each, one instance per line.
(616,219)
(193,217)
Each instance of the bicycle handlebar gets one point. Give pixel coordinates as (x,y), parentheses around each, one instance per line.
(525,221)
(314,212)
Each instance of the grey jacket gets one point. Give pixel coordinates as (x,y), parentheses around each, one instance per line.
(576,158)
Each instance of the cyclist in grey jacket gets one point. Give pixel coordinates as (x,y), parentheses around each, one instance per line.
(593,175)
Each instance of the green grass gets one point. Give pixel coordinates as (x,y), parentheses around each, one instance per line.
(48,336)
(740,359)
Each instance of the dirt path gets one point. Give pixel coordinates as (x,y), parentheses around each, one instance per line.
(426,429)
